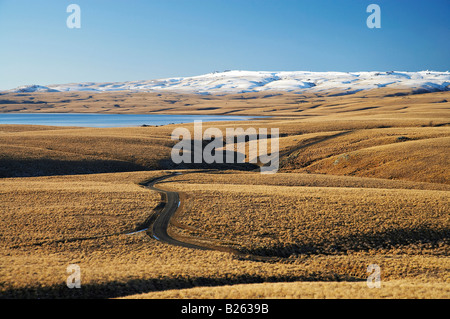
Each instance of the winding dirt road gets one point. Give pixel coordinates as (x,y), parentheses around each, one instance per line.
(158,230)
(157,227)
(160,225)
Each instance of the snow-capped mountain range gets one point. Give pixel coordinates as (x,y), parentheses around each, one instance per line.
(260,81)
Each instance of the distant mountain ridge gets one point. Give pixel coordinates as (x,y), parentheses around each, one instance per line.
(229,82)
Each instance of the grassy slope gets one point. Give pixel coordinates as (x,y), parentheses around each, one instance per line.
(81,150)
(372,103)
(413,153)
(50,209)
(396,289)
(288,221)
(359,214)
(424,160)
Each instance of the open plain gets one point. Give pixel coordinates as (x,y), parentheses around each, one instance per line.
(363,179)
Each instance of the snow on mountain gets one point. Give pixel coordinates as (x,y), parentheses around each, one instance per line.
(33,88)
(259,81)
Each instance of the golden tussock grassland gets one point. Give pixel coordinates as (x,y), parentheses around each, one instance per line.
(376,103)
(363,180)
(395,289)
(49,209)
(288,221)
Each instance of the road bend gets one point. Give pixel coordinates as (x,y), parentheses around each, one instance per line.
(159,229)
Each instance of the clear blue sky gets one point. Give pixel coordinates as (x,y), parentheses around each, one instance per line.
(147,39)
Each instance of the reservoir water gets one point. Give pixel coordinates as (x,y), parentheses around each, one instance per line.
(110,120)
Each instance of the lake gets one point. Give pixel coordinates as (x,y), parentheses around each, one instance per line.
(110,120)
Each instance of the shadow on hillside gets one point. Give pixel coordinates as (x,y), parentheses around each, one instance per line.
(23,167)
(49,167)
(223,159)
(115,289)
(361,242)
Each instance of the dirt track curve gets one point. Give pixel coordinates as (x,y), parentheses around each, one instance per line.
(160,225)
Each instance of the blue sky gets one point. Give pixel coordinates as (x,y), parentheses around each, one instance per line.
(148,39)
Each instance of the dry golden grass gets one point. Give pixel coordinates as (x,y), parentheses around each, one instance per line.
(48,223)
(51,209)
(417,154)
(373,103)
(115,265)
(392,212)
(423,160)
(11,128)
(303,179)
(124,265)
(398,289)
(310,132)
(82,151)
(289,221)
